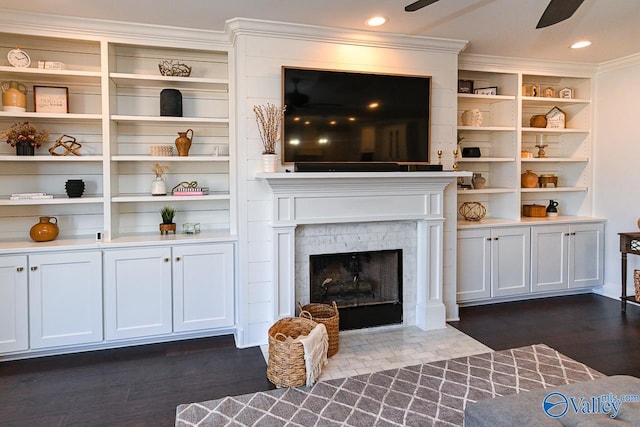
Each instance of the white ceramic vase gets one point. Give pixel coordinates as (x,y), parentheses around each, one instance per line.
(269,163)
(159,187)
(472,117)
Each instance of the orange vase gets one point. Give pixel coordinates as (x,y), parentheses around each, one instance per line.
(529,180)
(183,142)
(45,230)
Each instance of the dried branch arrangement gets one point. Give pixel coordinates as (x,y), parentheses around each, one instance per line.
(268,118)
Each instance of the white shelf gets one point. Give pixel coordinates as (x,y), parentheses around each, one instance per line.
(65,76)
(484,99)
(487,191)
(148,80)
(555,160)
(190,158)
(553,190)
(553,130)
(49,158)
(166,119)
(57,116)
(543,100)
(487,128)
(57,200)
(138,198)
(486,159)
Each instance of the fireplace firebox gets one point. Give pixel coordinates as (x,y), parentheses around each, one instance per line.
(366,286)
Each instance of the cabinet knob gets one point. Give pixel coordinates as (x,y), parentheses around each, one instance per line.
(489,239)
(573,234)
(34,268)
(166,260)
(20,269)
(178,258)
(567,234)
(495,238)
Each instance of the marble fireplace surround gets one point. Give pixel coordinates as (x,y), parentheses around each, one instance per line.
(310,198)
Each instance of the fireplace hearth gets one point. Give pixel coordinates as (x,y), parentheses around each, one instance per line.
(366,286)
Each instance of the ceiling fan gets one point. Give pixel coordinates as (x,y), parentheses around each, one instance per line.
(556,11)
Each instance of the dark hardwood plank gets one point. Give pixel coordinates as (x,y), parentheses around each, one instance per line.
(589,328)
(135,386)
(141,386)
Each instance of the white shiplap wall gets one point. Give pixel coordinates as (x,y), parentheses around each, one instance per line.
(260,50)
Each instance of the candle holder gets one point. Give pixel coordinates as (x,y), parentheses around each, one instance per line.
(440,157)
(455,159)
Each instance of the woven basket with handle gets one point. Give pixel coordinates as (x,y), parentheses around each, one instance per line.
(636,281)
(286,367)
(329,316)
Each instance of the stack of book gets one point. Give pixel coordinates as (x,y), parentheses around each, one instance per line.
(30,196)
(191,191)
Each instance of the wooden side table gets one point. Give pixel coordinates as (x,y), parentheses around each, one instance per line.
(629,244)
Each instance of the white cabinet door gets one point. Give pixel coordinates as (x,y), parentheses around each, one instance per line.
(14,304)
(203,287)
(65,298)
(550,251)
(137,292)
(586,255)
(474,264)
(510,261)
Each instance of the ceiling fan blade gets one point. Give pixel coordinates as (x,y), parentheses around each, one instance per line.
(418,5)
(558,11)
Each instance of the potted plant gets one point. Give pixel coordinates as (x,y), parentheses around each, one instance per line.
(25,137)
(269,118)
(167,225)
(159,185)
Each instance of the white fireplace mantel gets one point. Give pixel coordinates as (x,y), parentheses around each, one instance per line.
(301,198)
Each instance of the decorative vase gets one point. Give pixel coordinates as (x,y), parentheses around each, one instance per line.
(14,96)
(472,117)
(171,103)
(159,186)
(529,180)
(269,162)
(478,181)
(45,230)
(24,148)
(552,209)
(183,142)
(472,211)
(74,187)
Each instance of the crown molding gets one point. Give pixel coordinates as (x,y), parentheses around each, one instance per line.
(617,64)
(39,24)
(534,66)
(253,27)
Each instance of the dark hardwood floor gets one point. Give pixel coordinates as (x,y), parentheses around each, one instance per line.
(588,328)
(136,386)
(141,386)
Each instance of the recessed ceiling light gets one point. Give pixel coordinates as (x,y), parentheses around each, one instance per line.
(580,44)
(376,21)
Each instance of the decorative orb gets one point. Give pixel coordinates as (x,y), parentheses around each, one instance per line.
(472,211)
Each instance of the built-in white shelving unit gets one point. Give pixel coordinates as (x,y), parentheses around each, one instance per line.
(114,112)
(505,133)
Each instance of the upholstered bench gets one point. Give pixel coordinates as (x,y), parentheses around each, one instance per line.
(526,409)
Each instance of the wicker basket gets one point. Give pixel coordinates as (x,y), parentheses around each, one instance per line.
(329,316)
(636,281)
(286,366)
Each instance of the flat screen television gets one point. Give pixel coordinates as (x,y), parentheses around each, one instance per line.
(355,117)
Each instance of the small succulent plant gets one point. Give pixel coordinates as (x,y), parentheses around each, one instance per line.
(167,213)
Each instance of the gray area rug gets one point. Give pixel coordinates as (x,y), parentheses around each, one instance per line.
(421,395)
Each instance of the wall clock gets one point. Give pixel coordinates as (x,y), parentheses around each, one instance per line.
(18,58)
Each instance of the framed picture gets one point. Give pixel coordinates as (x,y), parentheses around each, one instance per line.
(493,90)
(465,86)
(51,99)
